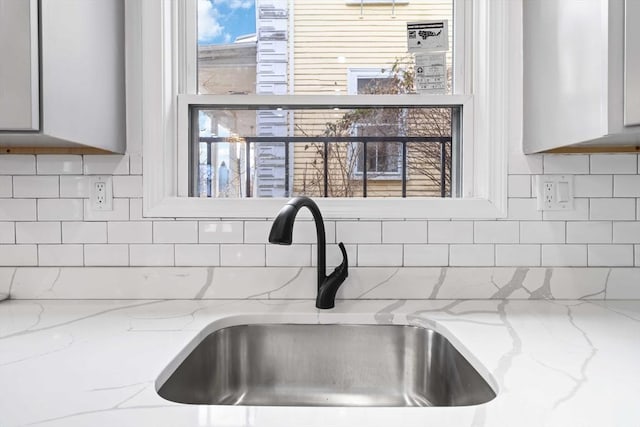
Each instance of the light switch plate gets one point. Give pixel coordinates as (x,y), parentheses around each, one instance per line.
(555,192)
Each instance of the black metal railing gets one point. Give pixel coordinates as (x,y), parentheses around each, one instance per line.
(445,160)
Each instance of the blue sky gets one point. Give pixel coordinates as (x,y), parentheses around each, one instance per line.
(221,21)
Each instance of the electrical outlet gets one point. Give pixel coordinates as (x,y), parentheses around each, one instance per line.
(101,193)
(549,192)
(555,192)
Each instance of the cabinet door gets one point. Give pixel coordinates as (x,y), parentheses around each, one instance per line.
(632,63)
(19,81)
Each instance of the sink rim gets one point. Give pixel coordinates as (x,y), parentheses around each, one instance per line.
(357,319)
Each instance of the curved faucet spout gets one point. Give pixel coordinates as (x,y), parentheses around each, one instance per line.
(282,233)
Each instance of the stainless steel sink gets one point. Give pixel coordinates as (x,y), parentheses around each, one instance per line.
(326,365)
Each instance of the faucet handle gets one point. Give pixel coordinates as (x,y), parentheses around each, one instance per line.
(344,266)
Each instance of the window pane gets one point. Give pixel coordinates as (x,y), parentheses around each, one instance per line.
(315,46)
(325,152)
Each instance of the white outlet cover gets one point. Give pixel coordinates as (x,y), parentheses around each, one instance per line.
(554,192)
(104,203)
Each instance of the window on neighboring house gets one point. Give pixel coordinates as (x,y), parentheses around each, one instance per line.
(381,159)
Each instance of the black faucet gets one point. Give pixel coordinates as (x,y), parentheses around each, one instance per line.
(281,233)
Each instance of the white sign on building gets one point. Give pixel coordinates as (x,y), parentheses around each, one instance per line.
(431,73)
(428,36)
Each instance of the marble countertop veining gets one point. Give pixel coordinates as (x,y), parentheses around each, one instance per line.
(96,363)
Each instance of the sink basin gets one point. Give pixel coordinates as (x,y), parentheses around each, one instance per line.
(326,365)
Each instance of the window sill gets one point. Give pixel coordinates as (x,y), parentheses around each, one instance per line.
(354,208)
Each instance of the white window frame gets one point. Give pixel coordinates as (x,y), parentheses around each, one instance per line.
(491,100)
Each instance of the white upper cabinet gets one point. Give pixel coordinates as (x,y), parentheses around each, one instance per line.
(632,63)
(581,74)
(75,97)
(19,87)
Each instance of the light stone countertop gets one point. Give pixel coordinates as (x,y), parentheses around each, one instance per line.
(97,362)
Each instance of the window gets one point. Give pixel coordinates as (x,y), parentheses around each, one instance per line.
(248,47)
(165,64)
(382,159)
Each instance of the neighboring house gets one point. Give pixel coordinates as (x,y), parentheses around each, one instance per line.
(330,47)
(345,47)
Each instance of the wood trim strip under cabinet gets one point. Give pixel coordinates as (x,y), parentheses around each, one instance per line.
(53,150)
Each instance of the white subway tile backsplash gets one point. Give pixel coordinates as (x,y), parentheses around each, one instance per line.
(580,212)
(518,255)
(626,232)
(564,255)
(108,164)
(626,186)
(242,255)
(379,255)
(17,164)
(601,230)
(471,255)
(60,255)
(303,232)
(129,232)
(60,209)
(38,232)
(84,232)
(404,232)
(359,231)
(519,186)
(255,232)
(120,211)
(175,232)
(106,255)
(197,255)
(18,255)
(426,255)
(35,186)
(523,210)
(566,163)
(151,255)
(17,209)
(135,210)
(612,209)
(496,232)
(225,231)
(6,186)
(75,186)
(589,232)
(613,163)
(542,232)
(127,186)
(7,232)
(610,255)
(288,255)
(450,232)
(593,186)
(59,164)
(520,164)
